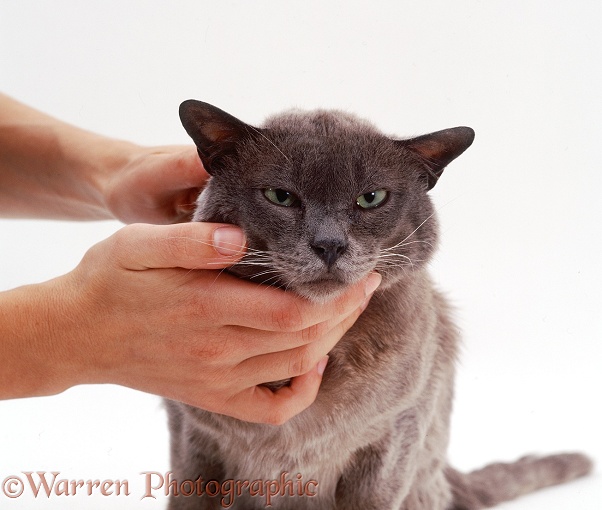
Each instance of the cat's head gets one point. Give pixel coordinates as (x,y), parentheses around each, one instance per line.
(323,197)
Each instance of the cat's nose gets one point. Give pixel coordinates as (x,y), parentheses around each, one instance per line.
(329,250)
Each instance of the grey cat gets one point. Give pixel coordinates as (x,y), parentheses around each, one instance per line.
(325,199)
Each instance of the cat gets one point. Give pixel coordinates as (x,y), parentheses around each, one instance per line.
(324,199)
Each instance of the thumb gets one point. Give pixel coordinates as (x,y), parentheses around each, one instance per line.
(194,245)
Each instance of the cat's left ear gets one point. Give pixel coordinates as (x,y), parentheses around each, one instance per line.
(437,150)
(215,132)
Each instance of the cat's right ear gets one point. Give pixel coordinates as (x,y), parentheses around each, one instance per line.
(215,132)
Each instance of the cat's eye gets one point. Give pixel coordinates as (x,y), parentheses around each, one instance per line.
(372,199)
(280,197)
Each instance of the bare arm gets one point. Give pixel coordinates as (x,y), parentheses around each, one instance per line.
(51,169)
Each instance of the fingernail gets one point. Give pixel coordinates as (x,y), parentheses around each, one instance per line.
(322,365)
(228,240)
(372,283)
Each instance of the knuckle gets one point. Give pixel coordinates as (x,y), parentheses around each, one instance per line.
(288,317)
(120,238)
(313,333)
(119,247)
(177,245)
(213,346)
(278,416)
(300,362)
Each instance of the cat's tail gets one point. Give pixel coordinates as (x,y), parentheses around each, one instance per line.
(499,482)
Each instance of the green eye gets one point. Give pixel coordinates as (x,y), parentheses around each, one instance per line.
(280,197)
(372,199)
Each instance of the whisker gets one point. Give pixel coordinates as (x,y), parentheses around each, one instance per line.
(413,232)
(392,256)
(272,143)
(402,244)
(263,273)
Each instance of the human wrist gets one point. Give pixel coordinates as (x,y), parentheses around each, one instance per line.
(94,161)
(28,359)
(81,339)
(43,340)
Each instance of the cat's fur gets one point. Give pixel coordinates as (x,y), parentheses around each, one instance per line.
(377,434)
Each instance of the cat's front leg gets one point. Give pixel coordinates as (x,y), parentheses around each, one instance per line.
(397,473)
(193,461)
(372,482)
(188,483)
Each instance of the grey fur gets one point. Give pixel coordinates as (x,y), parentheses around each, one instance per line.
(377,434)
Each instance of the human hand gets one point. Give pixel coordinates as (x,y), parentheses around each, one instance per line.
(51,169)
(156,185)
(148,314)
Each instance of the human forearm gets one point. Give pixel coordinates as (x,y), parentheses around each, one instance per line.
(37,356)
(50,169)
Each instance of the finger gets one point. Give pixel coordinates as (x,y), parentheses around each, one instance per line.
(184,205)
(277,366)
(188,177)
(182,177)
(189,246)
(191,170)
(257,342)
(261,405)
(180,167)
(243,303)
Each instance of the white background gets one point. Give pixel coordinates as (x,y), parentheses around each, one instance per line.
(520,210)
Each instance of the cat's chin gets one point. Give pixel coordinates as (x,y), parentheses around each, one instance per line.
(320,291)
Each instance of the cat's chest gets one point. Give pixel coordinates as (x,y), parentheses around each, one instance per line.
(302,463)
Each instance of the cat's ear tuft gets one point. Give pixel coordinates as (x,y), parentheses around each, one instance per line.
(215,132)
(437,150)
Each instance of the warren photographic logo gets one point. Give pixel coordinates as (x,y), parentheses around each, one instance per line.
(51,484)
